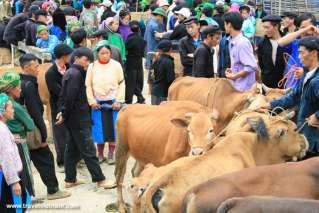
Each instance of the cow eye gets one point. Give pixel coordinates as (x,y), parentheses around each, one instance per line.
(211,131)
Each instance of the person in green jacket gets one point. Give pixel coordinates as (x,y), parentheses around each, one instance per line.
(71,27)
(111,25)
(19,125)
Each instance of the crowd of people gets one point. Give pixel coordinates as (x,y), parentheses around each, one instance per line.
(97,67)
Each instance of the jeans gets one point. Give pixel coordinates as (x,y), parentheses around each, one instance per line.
(155,100)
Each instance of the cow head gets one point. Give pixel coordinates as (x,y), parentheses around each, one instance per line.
(279,135)
(200,129)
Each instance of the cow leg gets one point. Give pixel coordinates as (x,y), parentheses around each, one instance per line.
(121,157)
(137,169)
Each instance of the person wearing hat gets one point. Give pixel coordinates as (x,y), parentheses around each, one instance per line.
(11,181)
(249,27)
(53,78)
(41,156)
(306,95)
(88,17)
(204,54)
(46,41)
(188,44)
(288,21)
(163,4)
(270,55)
(103,7)
(124,28)
(154,24)
(134,78)
(71,27)
(164,72)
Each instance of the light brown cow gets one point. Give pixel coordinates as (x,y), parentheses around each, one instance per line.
(276,141)
(218,93)
(160,134)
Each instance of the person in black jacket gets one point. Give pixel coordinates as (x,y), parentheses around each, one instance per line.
(39,17)
(270,54)
(75,113)
(203,56)
(164,73)
(42,157)
(188,44)
(14,30)
(134,74)
(53,78)
(219,17)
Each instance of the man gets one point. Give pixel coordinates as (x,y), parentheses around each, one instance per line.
(39,18)
(41,157)
(306,24)
(219,16)
(134,78)
(53,79)
(243,62)
(288,21)
(306,95)
(75,114)
(188,44)
(203,56)
(270,55)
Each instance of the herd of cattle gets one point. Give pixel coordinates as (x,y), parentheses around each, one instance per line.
(208,150)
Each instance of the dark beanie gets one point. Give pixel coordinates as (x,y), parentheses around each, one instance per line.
(62,50)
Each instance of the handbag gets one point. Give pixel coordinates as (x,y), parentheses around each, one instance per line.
(34,139)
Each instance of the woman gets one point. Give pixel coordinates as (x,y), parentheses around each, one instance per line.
(71,27)
(45,41)
(111,25)
(58,26)
(19,125)
(105,89)
(12,188)
(124,28)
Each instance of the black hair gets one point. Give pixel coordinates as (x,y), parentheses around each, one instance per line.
(26,59)
(245,7)
(102,33)
(87,4)
(62,50)
(207,11)
(135,26)
(311,43)
(82,51)
(219,9)
(235,19)
(78,36)
(153,7)
(59,19)
(210,30)
(40,13)
(106,46)
(304,17)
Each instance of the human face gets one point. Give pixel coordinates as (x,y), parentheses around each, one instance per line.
(307,57)
(44,35)
(159,18)
(244,14)
(32,68)
(192,29)
(9,113)
(66,59)
(15,92)
(180,18)
(269,29)
(126,19)
(305,24)
(82,61)
(228,28)
(104,54)
(42,19)
(115,26)
(213,40)
(287,22)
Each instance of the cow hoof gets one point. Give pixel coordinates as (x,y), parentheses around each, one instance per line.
(113,207)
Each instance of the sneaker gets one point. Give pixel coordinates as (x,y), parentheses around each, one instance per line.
(58,195)
(111,160)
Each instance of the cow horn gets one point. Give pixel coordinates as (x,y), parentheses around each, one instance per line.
(288,90)
(265,88)
(289,115)
(188,115)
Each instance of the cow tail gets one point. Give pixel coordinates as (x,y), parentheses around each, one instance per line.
(227,205)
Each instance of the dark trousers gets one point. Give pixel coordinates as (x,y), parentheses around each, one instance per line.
(155,100)
(134,80)
(61,135)
(81,146)
(43,161)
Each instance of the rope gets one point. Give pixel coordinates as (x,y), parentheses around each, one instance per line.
(284,80)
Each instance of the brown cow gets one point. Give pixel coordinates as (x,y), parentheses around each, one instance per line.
(160,134)
(276,141)
(217,93)
(268,204)
(294,180)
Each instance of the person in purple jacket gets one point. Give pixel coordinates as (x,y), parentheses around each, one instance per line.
(124,28)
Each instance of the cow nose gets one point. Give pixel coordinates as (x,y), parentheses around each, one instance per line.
(197,151)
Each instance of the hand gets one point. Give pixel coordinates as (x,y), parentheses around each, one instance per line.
(263,107)
(313,121)
(298,71)
(158,35)
(313,29)
(44,144)
(96,106)
(191,55)
(116,106)
(229,74)
(59,119)
(17,189)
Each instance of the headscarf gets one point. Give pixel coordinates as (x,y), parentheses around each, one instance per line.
(71,24)
(40,28)
(9,80)
(3,101)
(100,44)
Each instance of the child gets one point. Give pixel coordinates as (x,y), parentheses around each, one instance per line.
(46,41)
(164,73)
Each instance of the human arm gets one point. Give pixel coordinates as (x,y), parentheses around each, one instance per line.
(184,55)
(121,85)
(21,114)
(53,42)
(294,35)
(53,86)
(200,63)
(170,73)
(89,88)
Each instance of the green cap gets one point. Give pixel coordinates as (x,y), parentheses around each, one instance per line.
(100,44)
(3,101)
(40,28)
(9,79)
(159,11)
(71,24)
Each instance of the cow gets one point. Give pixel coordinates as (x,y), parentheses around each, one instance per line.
(293,180)
(160,134)
(272,142)
(217,93)
(268,204)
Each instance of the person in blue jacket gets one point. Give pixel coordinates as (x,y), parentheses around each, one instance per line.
(46,41)
(306,95)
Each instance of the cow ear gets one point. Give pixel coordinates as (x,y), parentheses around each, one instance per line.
(180,122)
(258,126)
